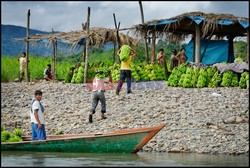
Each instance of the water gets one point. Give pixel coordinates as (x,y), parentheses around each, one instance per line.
(43,159)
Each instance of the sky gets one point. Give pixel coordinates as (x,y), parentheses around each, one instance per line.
(68,16)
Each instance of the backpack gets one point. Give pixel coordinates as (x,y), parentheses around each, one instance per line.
(125,52)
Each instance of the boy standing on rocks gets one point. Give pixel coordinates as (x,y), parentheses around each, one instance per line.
(37,117)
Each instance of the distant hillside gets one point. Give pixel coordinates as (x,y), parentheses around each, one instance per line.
(12,48)
(9,47)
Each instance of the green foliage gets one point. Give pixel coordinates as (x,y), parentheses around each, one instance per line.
(240,50)
(2,128)
(10,68)
(68,77)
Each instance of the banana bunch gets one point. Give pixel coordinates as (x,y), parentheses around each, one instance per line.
(195,76)
(227,78)
(244,80)
(80,75)
(176,74)
(215,81)
(159,72)
(202,79)
(73,80)
(134,70)
(115,72)
(210,73)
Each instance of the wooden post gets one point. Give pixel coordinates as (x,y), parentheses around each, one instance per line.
(54,57)
(193,53)
(84,46)
(153,47)
(197,43)
(87,45)
(114,54)
(117,31)
(145,33)
(27,47)
(247,45)
(117,38)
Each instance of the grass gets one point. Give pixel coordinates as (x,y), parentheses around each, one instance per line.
(10,68)
(10,65)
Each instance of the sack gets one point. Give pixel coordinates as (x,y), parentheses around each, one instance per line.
(125,52)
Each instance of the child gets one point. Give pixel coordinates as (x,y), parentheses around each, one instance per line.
(98,95)
(47,73)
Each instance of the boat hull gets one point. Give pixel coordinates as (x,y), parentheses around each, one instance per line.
(122,141)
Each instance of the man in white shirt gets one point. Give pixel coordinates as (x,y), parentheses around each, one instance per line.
(37,117)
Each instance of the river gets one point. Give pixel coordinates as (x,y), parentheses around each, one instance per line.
(141,159)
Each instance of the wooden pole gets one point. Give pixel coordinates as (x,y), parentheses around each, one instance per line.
(247,45)
(84,46)
(193,53)
(54,56)
(117,38)
(153,47)
(197,43)
(117,31)
(87,45)
(27,47)
(145,33)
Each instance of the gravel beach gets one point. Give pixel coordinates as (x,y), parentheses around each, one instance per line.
(199,120)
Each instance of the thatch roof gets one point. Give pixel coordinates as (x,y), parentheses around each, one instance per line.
(176,28)
(98,37)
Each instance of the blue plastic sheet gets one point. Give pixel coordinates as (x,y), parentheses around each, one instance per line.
(243,23)
(216,52)
(198,20)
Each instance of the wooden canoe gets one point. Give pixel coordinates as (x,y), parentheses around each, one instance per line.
(120,141)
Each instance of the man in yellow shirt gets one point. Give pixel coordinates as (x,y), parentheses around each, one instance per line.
(125,71)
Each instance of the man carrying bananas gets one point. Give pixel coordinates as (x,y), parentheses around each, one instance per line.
(126,54)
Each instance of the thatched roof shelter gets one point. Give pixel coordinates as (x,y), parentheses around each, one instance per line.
(98,37)
(200,25)
(176,28)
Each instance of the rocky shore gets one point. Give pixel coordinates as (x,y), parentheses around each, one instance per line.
(199,120)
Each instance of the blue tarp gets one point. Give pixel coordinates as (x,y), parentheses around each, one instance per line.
(216,52)
(198,20)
